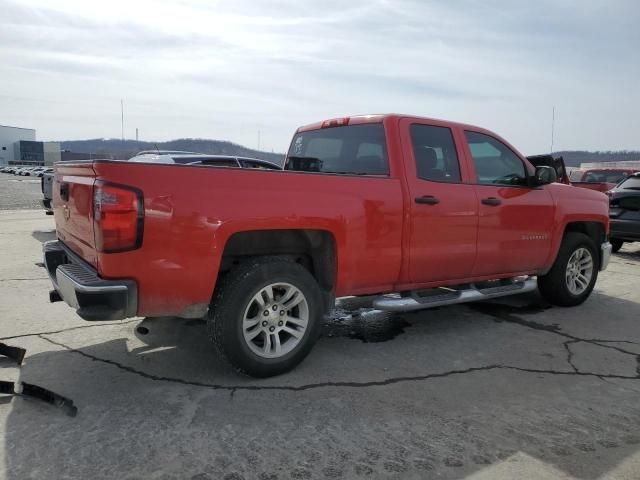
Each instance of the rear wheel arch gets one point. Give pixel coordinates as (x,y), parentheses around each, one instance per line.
(314,249)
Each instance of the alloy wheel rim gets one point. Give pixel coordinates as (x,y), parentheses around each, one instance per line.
(579,271)
(275,320)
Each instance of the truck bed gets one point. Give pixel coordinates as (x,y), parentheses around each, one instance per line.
(190,210)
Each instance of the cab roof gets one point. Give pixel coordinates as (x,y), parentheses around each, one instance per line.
(376,118)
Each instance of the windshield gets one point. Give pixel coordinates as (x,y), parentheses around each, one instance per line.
(631,183)
(353,149)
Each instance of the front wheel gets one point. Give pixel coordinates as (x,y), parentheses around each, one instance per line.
(266,316)
(574,273)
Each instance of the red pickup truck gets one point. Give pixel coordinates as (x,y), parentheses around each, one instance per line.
(600,179)
(418,212)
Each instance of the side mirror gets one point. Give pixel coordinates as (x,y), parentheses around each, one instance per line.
(544,176)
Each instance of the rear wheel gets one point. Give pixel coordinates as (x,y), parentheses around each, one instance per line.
(616,244)
(266,316)
(574,273)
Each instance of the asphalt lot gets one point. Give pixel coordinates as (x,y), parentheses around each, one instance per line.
(509,389)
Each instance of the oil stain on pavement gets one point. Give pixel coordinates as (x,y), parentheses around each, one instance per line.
(365,324)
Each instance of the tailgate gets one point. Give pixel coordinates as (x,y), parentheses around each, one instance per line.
(73,207)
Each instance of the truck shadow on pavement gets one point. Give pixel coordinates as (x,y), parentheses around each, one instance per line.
(629,255)
(463,389)
(44,235)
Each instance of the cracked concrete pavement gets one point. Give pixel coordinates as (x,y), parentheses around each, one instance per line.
(507,389)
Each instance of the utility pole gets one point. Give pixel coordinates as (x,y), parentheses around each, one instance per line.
(258,139)
(136,134)
(553,125)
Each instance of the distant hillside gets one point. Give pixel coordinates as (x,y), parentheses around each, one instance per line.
(119,150)
(574,158)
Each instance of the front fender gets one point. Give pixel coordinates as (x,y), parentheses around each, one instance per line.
(579,209)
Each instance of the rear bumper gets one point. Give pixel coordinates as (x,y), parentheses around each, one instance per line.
(624,229)
(79,285)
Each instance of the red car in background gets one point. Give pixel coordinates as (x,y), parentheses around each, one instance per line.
(600,179)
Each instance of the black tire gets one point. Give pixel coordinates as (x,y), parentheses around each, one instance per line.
(616,245)
(234,294)
(553,286)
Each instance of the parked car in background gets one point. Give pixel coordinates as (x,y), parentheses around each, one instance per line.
(418,212)
(35,171)
(165,152)
(191,158)
(46,184)
(600,179)
(624,212)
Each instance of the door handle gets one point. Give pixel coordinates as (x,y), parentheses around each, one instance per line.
(492,201)
(428,199)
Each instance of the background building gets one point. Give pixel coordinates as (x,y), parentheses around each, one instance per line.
(18,146)
(621,164)
(9,136)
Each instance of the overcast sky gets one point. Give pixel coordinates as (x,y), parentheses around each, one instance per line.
(229,69)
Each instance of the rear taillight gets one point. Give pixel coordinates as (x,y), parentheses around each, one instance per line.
(118,217)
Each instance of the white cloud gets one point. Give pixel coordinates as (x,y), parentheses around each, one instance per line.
(227,69)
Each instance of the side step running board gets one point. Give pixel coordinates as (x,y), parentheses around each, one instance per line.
(441,297)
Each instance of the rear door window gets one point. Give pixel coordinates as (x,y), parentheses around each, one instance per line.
(435,153)
(349,150)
